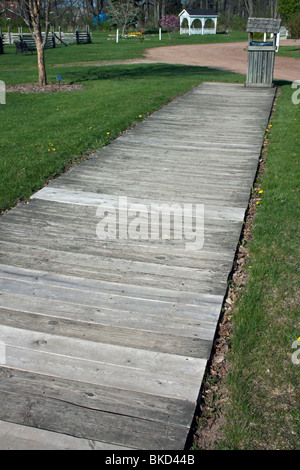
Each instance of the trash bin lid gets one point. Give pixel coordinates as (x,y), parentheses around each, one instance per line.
(261,43)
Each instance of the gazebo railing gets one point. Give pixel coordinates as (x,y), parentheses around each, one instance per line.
(197,31)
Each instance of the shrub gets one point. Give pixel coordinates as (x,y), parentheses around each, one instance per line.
(294,26)
(171,23)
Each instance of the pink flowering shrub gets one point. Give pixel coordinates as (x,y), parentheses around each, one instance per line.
(171,23)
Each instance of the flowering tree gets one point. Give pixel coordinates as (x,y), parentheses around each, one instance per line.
(171,23)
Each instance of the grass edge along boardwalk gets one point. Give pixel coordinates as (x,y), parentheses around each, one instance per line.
(105,341)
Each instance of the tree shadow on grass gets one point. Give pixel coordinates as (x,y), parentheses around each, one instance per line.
(140,71)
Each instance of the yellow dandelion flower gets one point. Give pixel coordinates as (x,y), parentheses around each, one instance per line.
(249,267)
(107,133)
(261,191)
(257,202)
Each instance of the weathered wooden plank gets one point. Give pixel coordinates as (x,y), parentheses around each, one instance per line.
(90,244)
(234,198)
(114,271)
(98,398)
(130,176)
(116,292)
(17,437)
(102,364)
(155,248)
(195,344)
(134,225)
(202,278)
(208,260)
(103,353)
(184,322)
(45,203)
(80,422)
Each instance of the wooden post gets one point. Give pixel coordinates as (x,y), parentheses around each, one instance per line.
(9,35)
(117,36)
(53,38)
(88,34)
(1,42)
(159,34)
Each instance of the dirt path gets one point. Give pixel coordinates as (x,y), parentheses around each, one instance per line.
(227,56)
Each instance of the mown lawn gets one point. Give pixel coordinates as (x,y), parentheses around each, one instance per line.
(264,380)
(104,47)
(289,51)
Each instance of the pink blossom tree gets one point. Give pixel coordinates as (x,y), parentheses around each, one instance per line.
(171,23)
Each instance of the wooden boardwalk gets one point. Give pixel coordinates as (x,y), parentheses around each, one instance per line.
(104,343)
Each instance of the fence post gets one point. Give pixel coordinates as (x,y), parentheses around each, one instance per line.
(1,42)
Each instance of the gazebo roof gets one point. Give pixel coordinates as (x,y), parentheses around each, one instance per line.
(198,12)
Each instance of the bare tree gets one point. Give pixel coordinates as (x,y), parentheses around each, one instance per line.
(34,13)
(250,7)
(123,13)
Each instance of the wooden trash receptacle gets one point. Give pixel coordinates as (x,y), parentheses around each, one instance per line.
(261,54)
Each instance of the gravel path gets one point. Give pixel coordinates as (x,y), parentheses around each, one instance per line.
(226,56)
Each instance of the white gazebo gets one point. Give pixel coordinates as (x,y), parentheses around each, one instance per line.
(193,21)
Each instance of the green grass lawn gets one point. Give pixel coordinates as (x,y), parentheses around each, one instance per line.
(289,51)
(103,48)
(264,382)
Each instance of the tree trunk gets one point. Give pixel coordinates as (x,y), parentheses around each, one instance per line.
(274,8)
(36,12)
(250,7)
(41,65)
